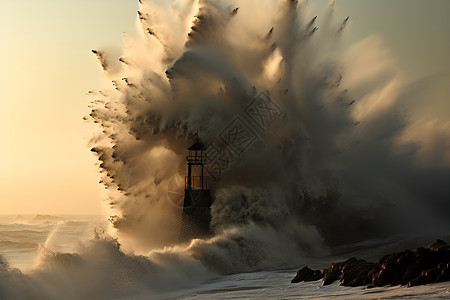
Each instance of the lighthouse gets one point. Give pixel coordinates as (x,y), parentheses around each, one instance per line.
(196,216)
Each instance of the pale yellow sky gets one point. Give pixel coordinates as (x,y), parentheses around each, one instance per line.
(47,67)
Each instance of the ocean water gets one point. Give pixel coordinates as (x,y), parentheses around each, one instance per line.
(276,285)
(50,257)
(22,236)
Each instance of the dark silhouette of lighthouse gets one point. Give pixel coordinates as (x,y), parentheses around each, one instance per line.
(196,215)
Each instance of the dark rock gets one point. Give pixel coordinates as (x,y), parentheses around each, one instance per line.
(356,274)
(352,272)
(438,245)
(417,267)
(391,268)
(332,274)
(444,272)
(411,268)
(412,272)
(372,275)
(306,274)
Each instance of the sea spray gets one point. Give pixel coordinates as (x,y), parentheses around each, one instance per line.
(100,270)
(159,105)
(325,160)
(335,163)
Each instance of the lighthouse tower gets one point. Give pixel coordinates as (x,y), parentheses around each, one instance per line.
(197,197)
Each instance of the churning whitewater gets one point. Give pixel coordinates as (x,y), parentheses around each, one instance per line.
(321,152)
(310,148)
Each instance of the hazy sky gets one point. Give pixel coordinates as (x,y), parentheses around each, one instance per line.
(416,31)
(47,67)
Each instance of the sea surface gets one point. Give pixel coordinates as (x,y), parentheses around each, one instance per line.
(23,238)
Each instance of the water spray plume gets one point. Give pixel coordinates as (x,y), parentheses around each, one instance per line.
(307,151)
(316,159)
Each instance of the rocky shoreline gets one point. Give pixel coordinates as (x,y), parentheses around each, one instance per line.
(409,267)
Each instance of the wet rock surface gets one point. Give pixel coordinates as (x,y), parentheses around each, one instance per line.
(306,274)
(410,268)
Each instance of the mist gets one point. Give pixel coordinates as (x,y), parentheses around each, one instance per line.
(327,151)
